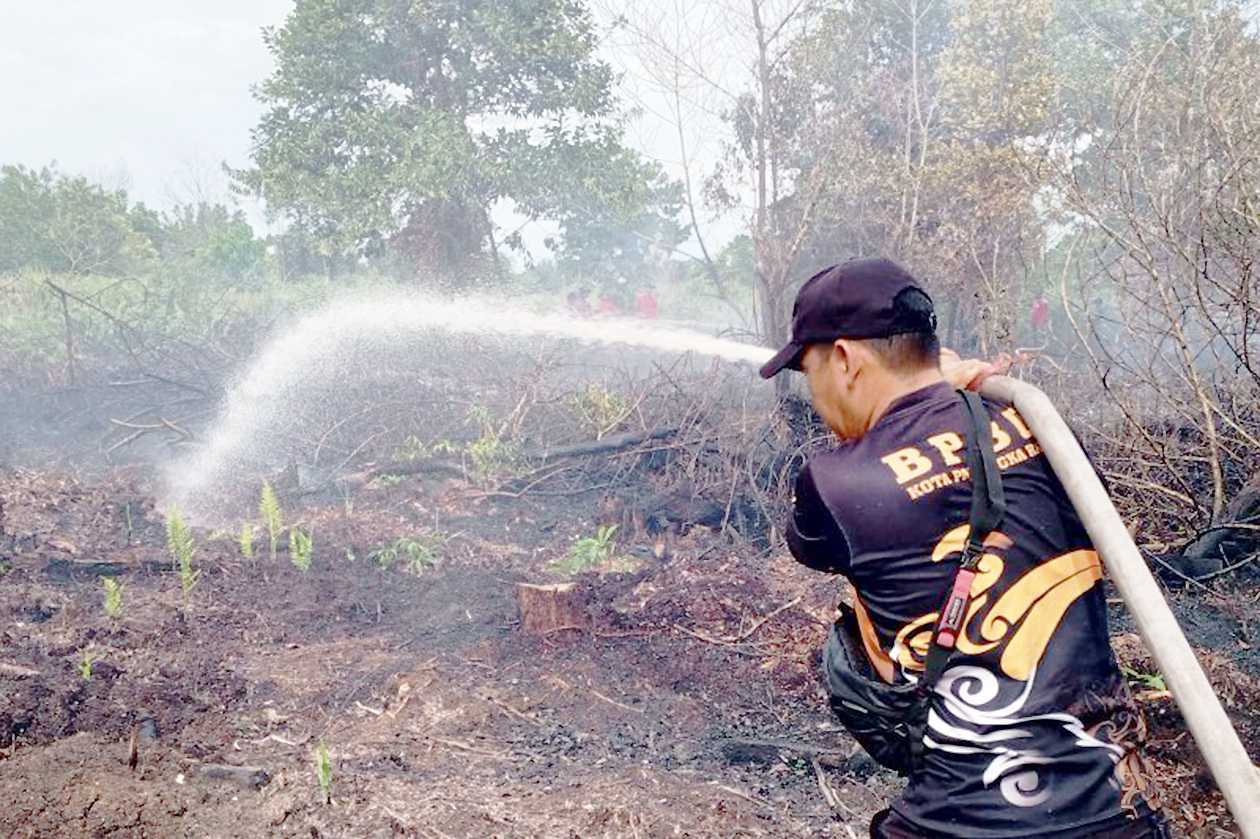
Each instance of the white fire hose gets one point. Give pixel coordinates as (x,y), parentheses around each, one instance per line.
(1235,774)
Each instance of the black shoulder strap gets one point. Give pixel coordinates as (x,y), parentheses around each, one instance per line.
(988,501)
(988,508)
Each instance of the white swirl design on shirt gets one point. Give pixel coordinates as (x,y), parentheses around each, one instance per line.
(962,724)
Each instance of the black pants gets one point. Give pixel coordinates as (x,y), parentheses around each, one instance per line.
(888,825)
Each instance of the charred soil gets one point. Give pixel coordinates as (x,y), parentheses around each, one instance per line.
(688,706)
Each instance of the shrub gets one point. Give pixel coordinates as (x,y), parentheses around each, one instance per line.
(599,410)
(588,552)
(416,555)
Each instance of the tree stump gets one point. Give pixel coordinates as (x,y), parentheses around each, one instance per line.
(550,608)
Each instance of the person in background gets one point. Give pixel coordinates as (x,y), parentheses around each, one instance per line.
(1039,316)
(578,302)
(1025,725)
(645,302)
(608,305)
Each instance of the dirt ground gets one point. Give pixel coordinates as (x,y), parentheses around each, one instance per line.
(689,708)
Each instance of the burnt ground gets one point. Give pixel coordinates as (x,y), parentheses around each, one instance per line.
(689,708)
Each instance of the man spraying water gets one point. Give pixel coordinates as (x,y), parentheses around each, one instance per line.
(975,657)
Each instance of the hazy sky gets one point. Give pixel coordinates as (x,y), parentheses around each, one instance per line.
(153,95)
(148,94)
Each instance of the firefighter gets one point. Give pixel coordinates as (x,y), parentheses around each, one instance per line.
(1020,722)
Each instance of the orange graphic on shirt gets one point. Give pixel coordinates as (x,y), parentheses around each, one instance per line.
(1021,619)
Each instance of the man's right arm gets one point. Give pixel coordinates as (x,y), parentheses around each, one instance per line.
(812,533)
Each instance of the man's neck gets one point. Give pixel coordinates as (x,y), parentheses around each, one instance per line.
(900,386)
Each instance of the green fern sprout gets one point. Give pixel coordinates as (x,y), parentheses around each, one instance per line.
(300,549)
(324,771)
(246,540)
(179,541)
(269,509)
(113,597)
(86,659)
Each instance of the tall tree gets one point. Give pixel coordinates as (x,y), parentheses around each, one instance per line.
(938,112)
(399,123)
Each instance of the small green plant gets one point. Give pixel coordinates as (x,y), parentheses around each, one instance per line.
(269,509)
(246,540)
(490,453)
(598,409)
(324,771)
(388,479)
(300,546)
(416,555)
(412,448)
(1152,681)
(180,542)
(444,446)
(87,658)
(113,597)
(588,552)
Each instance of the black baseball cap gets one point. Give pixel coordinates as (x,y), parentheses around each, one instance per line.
(862,298)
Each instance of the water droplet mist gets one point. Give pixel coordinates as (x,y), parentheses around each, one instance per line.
(317,342)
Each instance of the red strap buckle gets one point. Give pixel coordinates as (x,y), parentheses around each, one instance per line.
(949,625)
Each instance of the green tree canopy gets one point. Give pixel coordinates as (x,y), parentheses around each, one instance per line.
(211,238)
(65,223)
(397,125)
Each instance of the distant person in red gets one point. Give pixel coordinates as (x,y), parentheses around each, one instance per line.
(645,302)
(607,305)
(1039,315)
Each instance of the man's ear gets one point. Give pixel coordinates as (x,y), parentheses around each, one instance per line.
(844,361)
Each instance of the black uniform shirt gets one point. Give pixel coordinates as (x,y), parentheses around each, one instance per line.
(1032,730)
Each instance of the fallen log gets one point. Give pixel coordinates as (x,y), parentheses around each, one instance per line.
(1236,535)
(605,445)
(402,467)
